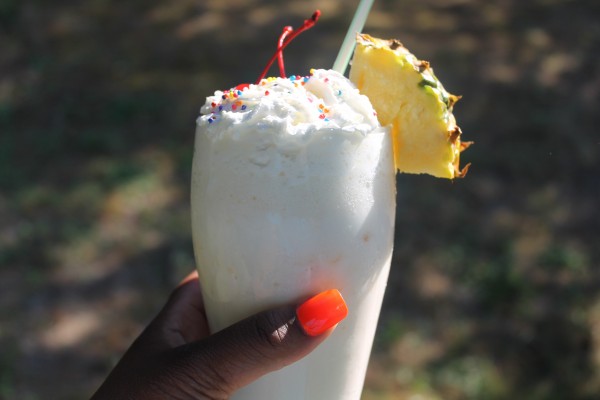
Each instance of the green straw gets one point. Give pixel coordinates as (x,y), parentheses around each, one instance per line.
(356,26)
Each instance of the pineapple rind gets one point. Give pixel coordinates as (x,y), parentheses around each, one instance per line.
(408,96)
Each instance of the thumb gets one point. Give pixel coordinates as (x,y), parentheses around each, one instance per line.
(238,355)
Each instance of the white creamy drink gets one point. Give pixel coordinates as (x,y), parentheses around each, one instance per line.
(293,193)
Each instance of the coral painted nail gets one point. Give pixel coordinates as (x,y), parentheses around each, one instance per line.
(321,312)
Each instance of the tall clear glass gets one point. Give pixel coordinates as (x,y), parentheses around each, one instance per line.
(274,222)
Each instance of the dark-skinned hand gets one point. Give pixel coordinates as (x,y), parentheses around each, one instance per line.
(176,357)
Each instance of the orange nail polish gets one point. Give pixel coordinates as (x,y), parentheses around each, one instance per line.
(321,312)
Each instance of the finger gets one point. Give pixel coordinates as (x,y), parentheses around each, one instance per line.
(183,318)
(265,342)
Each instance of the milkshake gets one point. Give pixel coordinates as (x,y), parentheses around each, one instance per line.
(293,193)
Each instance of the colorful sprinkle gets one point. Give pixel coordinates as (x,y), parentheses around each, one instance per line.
(235,100)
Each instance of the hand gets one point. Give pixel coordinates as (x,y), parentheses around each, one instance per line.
(177,358)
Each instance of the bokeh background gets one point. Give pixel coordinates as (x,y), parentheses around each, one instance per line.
(494,287)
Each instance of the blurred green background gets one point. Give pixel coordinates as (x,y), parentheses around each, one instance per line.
(494,287)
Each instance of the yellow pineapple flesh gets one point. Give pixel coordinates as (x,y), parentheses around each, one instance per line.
(408,97)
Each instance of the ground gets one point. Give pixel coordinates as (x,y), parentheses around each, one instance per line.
(495,279)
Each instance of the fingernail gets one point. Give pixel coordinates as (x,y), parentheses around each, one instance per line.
(321,312)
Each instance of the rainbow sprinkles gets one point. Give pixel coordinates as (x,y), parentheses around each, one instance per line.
(325,99)
(243,98)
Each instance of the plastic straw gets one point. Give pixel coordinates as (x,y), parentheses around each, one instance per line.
(356,26)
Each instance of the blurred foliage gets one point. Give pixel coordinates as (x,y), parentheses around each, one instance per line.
(494,289)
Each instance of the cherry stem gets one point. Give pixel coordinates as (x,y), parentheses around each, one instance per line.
(286,37)
(286,31)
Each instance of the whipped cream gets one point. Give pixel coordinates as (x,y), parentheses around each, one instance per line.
(291,106)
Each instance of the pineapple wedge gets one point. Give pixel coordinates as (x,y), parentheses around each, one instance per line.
(406,95)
